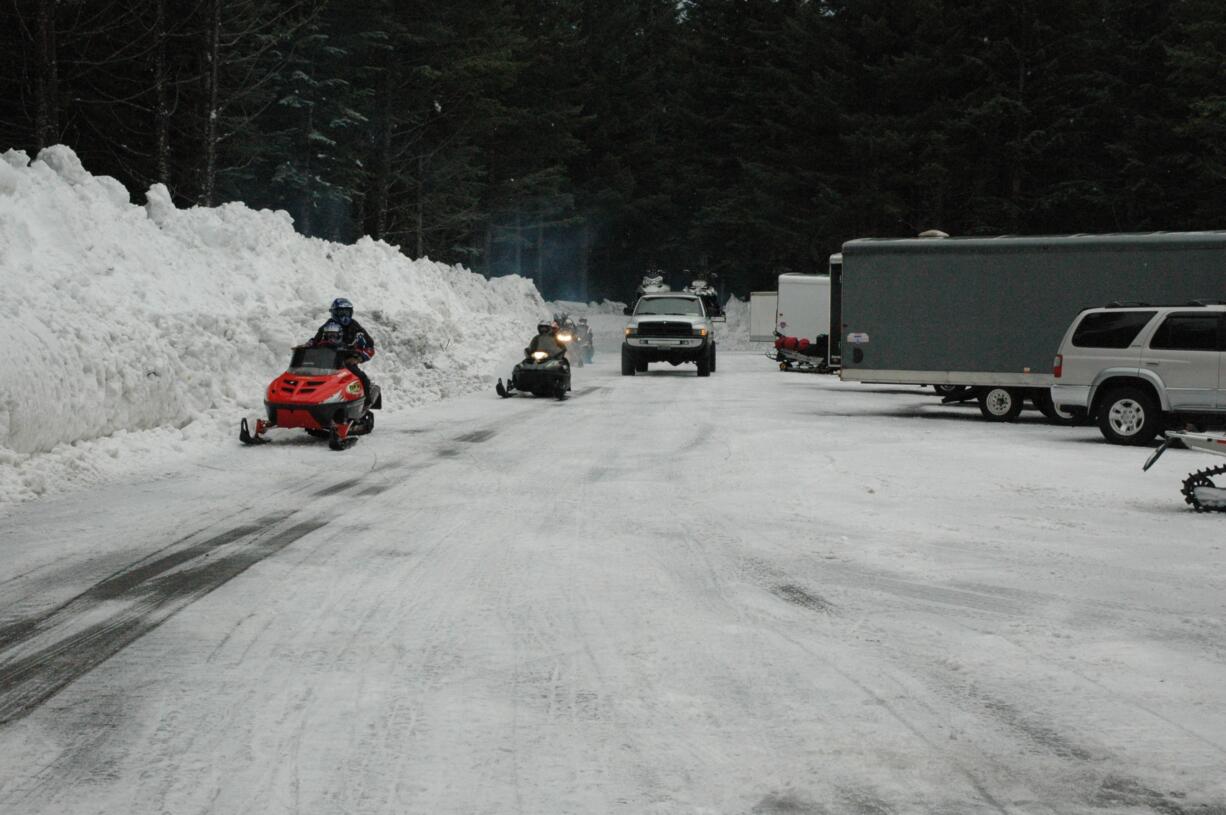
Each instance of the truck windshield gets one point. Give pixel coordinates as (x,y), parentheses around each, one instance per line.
(669,305)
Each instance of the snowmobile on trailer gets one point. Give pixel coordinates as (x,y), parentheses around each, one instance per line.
(1199,490)
(541,374)
(320,395)
(799,354)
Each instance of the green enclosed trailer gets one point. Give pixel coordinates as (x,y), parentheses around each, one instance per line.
(989,313)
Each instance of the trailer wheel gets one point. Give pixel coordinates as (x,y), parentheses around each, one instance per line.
(628,363)
(1000,404)
(1129,415)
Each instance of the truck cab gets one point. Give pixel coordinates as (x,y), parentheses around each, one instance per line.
(672,327)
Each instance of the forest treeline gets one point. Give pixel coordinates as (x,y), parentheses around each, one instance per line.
(581,142)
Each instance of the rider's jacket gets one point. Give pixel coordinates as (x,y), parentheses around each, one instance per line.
(547,343)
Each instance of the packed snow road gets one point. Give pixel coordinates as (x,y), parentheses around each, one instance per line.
(754,593)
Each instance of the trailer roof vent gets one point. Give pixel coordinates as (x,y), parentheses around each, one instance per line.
(933,233)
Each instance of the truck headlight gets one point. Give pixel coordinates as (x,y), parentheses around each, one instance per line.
(700,332)
(630,331)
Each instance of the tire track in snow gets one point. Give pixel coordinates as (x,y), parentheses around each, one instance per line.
(150,594)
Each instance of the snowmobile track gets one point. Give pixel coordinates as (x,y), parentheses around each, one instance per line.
(150,594)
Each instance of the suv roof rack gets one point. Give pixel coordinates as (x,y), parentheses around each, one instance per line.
(1125,304)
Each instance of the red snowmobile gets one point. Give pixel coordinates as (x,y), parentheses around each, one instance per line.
(319,395)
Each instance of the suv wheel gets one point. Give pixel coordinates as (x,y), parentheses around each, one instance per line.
(628,362)
(1000,404)
(1129,416)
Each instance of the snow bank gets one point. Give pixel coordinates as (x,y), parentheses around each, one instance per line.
(126,318)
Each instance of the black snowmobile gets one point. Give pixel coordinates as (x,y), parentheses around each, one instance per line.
(540,374)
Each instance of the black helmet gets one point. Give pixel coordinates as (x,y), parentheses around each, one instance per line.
(543,328)
(341,310)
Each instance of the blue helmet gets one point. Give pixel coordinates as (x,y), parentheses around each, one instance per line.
(341,310)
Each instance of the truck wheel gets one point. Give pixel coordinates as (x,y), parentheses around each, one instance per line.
(1129,415)
(704,365)
(713,358)
(1000,404)
(628,362)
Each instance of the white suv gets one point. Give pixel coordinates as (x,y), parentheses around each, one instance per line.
(1136,369)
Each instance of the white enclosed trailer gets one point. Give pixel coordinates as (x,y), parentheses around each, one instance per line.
(762,308)
(803,309)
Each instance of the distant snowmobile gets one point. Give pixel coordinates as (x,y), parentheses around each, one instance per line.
(540,374)
(1199,490)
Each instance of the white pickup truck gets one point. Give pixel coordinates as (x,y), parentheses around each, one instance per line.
(670,327)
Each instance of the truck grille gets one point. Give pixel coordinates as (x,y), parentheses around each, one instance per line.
(664,329)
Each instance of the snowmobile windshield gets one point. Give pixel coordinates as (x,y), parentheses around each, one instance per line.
(669,305)
(316,360)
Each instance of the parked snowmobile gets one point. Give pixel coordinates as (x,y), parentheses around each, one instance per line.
(1199,490)
(710,297)
(320,395)
(652,284)
(540,374)
(799,354)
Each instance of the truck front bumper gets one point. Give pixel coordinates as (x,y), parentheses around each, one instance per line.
(665,343)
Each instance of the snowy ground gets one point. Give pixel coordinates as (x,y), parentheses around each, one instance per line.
(754,593)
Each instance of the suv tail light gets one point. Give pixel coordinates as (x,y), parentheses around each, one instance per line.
(1057,366)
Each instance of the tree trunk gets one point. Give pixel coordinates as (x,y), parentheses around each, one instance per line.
(162,113)
(585,262)
(538,274)
(519,245)
(421,206)
(488,257)
(383,181)
(47,104)
(208,182)
(308,191)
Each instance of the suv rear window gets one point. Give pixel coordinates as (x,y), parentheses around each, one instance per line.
(1110,329)
(1187,332)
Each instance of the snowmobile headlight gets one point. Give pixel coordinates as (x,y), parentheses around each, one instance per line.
(565,338)
(354,388)
(539,355)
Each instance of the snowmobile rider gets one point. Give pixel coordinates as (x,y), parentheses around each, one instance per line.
(545,340)
(352,337)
